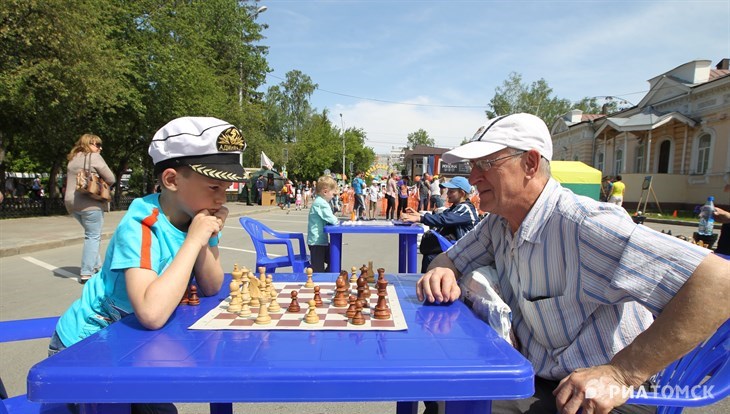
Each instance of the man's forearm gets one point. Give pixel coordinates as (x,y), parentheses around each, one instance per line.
(693,315)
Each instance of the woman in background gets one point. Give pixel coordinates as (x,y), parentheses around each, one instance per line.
(86,154)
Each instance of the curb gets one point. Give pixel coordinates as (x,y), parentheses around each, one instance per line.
(52,244)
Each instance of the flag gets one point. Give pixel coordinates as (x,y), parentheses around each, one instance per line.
(266,162)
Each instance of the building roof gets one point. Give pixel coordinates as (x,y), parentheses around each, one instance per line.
(424,150)
(645,120)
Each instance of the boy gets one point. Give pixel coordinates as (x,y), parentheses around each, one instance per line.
(165,239)
(321,214)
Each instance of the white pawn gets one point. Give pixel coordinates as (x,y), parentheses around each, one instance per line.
(245,299)
(312,316)
(263,318)
(235,304)
(274,305)
(310,282)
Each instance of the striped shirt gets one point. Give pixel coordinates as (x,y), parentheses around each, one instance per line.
(581,278)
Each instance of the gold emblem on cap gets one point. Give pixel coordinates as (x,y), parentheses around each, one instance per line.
(230,140)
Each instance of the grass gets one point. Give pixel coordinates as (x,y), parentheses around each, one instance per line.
(688,216)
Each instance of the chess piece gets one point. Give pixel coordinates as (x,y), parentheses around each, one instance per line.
(245,297)
(193,299)
(184,299)
(317,298)
(371,273)
(237,274)
(254,288)
(381,273)
(274,304)
(264,318)
(353,307)
(310,282)
(340,300)
(234,306)
(294,305)
(312,316)
(353,278)
(381,308)
(358,319)
(272,290)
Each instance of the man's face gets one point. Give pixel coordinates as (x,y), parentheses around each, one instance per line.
(197,192)
(499,185)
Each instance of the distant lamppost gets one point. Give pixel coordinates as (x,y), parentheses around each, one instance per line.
(343,147)
(240,64)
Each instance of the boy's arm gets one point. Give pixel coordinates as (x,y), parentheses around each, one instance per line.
(327,215)
(208,271)
(155,298)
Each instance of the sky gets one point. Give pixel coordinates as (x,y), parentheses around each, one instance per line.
(393,67)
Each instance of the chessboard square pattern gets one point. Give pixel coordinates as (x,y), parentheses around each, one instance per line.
(330,317)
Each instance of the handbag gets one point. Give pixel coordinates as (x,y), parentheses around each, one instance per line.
(91,184)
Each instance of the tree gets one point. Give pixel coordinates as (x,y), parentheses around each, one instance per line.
(121,70)
(515,96)
(289,103)
(419,137)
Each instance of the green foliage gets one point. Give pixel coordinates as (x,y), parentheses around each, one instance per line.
(121,70)
(419,137)
(515,96)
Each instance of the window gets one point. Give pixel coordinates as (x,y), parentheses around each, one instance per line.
(639,164)
(599,161)
(619,162)
(703,154)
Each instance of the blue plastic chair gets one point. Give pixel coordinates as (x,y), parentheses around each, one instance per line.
(21,330)
(709,359)
(443,241)
(258,232)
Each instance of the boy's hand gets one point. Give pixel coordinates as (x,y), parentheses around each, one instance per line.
(221,215)
(204,226)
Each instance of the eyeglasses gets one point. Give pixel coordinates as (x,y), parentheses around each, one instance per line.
(485,165)
(97,145)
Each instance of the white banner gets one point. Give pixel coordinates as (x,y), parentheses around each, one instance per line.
(266,161)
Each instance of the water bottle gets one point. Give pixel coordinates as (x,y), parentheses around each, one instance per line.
(707,221)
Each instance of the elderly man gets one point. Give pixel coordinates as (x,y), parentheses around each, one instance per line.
(582,279)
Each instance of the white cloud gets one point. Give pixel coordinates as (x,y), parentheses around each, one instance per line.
(387,125)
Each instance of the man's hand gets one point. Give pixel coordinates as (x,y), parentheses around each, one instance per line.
(439,283)
(721,216)
(595,390)
(411,218)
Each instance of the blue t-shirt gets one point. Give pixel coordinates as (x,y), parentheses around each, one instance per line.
(358,184)
(144,239)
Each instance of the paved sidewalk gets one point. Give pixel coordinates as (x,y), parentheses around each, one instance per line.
(25,235)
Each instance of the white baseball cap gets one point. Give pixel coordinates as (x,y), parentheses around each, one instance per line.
(519,131)
(210,146)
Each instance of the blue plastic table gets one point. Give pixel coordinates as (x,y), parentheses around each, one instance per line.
(446,354)
(407,242)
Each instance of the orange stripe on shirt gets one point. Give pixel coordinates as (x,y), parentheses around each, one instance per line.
(145,255)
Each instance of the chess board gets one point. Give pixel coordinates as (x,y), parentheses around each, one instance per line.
(367,223)
(330,317)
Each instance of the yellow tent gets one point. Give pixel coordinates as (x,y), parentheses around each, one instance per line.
(577,176)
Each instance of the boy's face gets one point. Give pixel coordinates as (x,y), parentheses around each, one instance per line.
(196,192)
(327,194)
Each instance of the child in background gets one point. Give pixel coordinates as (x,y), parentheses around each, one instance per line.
(165,239)
(298,202)
(320,214)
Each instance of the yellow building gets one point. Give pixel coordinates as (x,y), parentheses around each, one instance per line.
(679,134)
